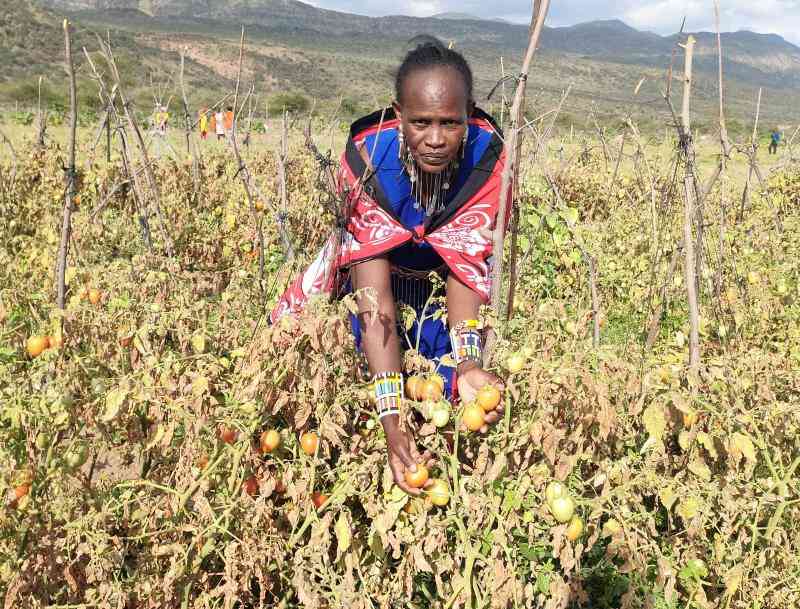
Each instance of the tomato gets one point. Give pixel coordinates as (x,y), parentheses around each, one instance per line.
(269,441)
(689,418)
(575,528)
(95,296)
(319,499)
(438,380)
(413,506)
(438,492)
(515,362)
(228,434)
(440,415)
(280,487)
(202,461)
(42,441)
(554,490)
(488,397)
(259,205)
(251,486)
(418,478)
(55,342)
(36,345)
(76,456)
(473,417)
(413,386)
(563,508)
(21,491)
(309,442)
(611,527)
(431,390)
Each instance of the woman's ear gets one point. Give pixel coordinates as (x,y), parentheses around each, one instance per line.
(398,110)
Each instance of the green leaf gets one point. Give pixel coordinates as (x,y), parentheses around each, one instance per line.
(570,215)
(552,220)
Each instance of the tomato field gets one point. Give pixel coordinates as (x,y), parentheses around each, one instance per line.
(165,447)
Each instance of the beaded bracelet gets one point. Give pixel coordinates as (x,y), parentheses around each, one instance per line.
(388,388)
(465,338)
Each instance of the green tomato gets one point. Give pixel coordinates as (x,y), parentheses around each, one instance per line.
(553,491)
(440,415)
(563,508)
(76,456)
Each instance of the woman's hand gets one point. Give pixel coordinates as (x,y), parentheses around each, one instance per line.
(403,454)
(471,378)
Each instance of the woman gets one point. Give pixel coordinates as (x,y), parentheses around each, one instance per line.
(203,122)
(422,183)
(219,124)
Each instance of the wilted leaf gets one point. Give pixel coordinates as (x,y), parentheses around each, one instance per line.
(343,536)
(655,421)
(699,468)
(667,497)
(740,444)
(114,401)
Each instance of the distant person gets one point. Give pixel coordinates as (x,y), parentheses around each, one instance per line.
(163,120)
(229,121)
(774,140)
(219,124)
(203,122)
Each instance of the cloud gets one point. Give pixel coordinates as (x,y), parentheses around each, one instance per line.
(661,16)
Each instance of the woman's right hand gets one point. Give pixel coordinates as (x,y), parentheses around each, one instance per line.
(403,453)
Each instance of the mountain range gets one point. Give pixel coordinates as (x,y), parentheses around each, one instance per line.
(326,54)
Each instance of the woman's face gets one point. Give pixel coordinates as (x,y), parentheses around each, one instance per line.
(433,116)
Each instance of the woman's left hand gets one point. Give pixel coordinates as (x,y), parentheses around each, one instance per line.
(471,378)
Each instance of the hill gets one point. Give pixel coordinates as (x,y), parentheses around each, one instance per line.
(326,54)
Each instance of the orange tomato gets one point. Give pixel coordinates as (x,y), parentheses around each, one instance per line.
(21,491)
(473,417)
(418,478)
(251,486)
(431,390)
(574,528)
(309,442)
(413,506)
(488,397)
(228,434)
(413,386)
(202,461)
(438,379)
(95,296)
(55,342)
(36,345)
(269,441)
(319,499)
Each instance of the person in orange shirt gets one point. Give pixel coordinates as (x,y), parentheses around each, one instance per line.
(228,121)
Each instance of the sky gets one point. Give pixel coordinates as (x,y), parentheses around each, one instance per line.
(660,16)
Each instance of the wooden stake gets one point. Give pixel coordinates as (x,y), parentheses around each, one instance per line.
(689,213)
(66,224)
(510,171)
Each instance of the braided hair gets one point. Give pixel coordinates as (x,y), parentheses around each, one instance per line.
(431,53)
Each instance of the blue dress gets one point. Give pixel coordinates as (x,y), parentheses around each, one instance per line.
(411,262)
